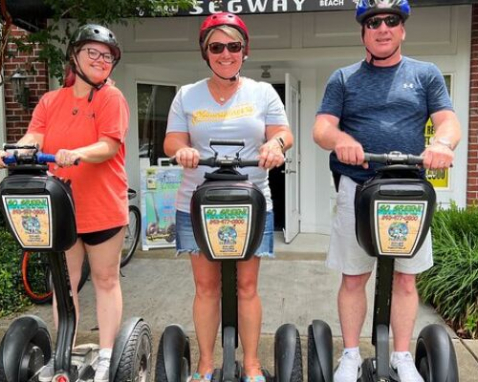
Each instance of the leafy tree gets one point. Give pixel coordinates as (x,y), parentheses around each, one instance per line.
(53,38)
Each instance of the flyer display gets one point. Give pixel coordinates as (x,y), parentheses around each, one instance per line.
(159,186)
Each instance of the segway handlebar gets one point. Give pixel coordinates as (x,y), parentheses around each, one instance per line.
(223,162)
(37,158)
(394,157)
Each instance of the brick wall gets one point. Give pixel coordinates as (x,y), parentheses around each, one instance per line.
(17,118)
(472,183)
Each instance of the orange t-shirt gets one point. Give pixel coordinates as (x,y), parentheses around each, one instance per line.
(99,189)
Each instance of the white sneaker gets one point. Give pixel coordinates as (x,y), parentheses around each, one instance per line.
(102,373)
(402,363)
(349,369)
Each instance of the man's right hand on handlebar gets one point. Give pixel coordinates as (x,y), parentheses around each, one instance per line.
(187,157)
(349,151)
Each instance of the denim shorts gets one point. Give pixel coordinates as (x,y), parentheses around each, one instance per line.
(185,241)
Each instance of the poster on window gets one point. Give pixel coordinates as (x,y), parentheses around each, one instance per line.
(159,186)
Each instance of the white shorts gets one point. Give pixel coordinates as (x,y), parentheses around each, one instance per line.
(345,254)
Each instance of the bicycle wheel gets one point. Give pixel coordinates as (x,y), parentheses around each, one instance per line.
(133,232)
(36,277)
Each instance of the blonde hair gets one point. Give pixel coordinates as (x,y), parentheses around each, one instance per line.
(230,31)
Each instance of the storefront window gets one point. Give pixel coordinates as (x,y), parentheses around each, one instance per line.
(153,107)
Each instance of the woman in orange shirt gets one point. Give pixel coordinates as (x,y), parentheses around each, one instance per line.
(88,121)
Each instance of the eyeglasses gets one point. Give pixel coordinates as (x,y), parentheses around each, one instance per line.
(218,47)
(96,54)
(390,21)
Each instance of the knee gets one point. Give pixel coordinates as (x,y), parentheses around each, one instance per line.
(105,281)
(208,289)
(247,289)
(356,283)
(404,284)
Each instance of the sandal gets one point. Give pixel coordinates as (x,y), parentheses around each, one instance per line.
(201,378)
(255,378)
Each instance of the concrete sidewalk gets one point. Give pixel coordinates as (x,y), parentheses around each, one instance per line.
(295,288)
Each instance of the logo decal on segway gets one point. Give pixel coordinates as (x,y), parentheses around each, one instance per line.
(398,226)
(228,229)
(30,219)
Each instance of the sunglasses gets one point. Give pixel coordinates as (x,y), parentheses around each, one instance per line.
(218,47)
(96,54)
(390,21)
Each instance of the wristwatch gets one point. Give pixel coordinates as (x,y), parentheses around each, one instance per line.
(442,141)
(281,144)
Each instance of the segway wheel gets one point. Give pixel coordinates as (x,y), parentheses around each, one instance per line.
(24,350)
(320,350)
(173,362)
(288,354)
(135,362)
(368,370)
(435,356)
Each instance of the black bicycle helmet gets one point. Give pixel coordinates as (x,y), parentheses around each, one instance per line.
(369,8)
(95,33)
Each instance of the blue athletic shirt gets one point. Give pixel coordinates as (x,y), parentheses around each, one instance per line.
(384,108)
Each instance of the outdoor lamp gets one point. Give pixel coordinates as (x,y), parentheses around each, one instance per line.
(265,71)
(20,92)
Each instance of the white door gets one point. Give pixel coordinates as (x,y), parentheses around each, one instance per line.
(292,206)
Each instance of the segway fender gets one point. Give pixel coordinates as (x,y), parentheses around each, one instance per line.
(121,341)
(20,333)
(435,344)
(175,342)
(284,352)
(322,336)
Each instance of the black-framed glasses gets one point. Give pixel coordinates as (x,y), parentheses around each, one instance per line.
(390,21)
(218,47)
(95,54)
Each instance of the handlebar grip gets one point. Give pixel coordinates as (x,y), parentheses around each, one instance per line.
(394,158)
(9,160)
(47,158)
(173,161)
(380,158)
(249,163)
(227,142)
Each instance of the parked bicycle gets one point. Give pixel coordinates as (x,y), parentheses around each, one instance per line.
(36,276)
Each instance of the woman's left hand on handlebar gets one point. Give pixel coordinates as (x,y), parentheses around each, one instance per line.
(437,157)
(270,155)
(66,158)
(3,154)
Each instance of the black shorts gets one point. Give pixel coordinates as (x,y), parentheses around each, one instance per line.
(98,237)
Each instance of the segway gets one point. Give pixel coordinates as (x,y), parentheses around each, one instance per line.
(40,213)
(228,217)
(393,211)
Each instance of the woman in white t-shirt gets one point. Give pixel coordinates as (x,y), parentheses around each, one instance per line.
(225,106)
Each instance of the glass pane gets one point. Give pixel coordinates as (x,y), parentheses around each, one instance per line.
(153,107)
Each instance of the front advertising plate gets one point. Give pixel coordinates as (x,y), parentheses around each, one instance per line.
(227,230)
(30,219)
(398,226)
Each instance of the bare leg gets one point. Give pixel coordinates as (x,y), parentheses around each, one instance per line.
(104,262)
(207,277)
(250,314)
(352,302)
(404,310)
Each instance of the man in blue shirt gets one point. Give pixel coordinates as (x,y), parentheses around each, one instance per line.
(378,105)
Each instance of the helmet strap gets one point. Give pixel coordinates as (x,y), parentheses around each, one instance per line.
(77,70)
(376,58)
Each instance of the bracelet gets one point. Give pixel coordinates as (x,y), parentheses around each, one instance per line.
(281,144)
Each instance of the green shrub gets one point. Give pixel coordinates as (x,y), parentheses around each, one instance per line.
(12,298)
(451,285)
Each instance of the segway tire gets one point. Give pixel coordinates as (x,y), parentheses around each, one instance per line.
(25,348)
(435,356)
(320,351)
(135,361)
(287,343)
(174,358)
